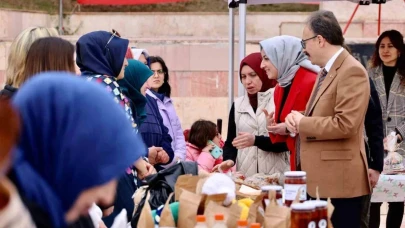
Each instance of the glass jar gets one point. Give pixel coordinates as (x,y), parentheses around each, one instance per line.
(301,215)
(265,192)
(321,212)
(295,181)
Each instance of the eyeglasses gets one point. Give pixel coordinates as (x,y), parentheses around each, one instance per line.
(158,71)
(114,34)
(303,42)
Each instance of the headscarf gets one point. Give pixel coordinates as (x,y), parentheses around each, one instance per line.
(136,74)
(285,52)
(74,137)
(137,52)
(95,56)
(254,60)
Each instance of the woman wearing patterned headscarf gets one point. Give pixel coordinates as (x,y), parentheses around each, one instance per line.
(284,61)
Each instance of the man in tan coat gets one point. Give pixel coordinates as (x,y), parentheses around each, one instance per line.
(331,145)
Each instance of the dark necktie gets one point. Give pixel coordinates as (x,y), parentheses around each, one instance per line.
(322,76)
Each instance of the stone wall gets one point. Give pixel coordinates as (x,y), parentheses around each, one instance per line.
(195,46)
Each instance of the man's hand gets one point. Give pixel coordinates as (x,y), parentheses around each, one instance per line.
(290,123)
(224,166)
(243,140)
(153,154)
(278,129)
(373,175)
(297,116)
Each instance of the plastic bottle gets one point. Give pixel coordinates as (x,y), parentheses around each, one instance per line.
(219,221)
(200,222)
(242,224)
(255,225)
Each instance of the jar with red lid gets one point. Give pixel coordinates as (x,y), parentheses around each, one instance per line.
(295,181)
(301,215)
(321,212)
(265,192)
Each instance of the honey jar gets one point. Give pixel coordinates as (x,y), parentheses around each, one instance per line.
(302,215)
(265,192)
(295,181)
(321,212)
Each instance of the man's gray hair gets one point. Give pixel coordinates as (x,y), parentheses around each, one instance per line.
(324,23)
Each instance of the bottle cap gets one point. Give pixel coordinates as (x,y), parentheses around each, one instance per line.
(302,206)
(295,173)
(255,225)
(317,203)
(219,217)
(200,218)
(242,223)
(271,187)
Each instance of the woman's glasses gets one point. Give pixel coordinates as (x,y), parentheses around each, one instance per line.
(114,34)
(158,71)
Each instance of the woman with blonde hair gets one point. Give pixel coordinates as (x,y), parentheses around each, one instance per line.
(18,55)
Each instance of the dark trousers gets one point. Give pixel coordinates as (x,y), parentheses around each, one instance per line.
(394,216)
(365,214)
(347,213)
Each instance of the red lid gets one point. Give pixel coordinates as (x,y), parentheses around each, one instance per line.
(242,223)
(219,217)
(255,225)
(200,218)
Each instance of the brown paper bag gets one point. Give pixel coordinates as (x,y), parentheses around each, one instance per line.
(212,209)
(166,217)
(200,185)
(189,203)
(254,210)
(146,219)
(231,214)
(276,216)
(205,199)
(331,208)
(185,182)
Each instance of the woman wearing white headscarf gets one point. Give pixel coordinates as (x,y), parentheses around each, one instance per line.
(284,61)
(141,55)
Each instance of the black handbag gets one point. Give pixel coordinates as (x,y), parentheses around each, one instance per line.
(161,185)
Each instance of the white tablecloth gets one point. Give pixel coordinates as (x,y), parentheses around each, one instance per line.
(390,188)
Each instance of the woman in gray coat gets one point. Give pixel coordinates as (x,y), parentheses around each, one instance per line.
(388,74)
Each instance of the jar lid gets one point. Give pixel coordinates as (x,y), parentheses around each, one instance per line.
(295,173)
(317,203)
(302,206)
(271,187)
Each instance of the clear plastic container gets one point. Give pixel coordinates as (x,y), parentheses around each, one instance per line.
(279,195)
(295,182)
(242,224)
(200,222)
(219,221)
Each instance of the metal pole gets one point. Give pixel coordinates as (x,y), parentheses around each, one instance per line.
(242,39)
(379,19)
(60,17)
(351,18)
(231,78)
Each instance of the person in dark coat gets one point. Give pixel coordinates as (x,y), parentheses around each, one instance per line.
(156,134)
